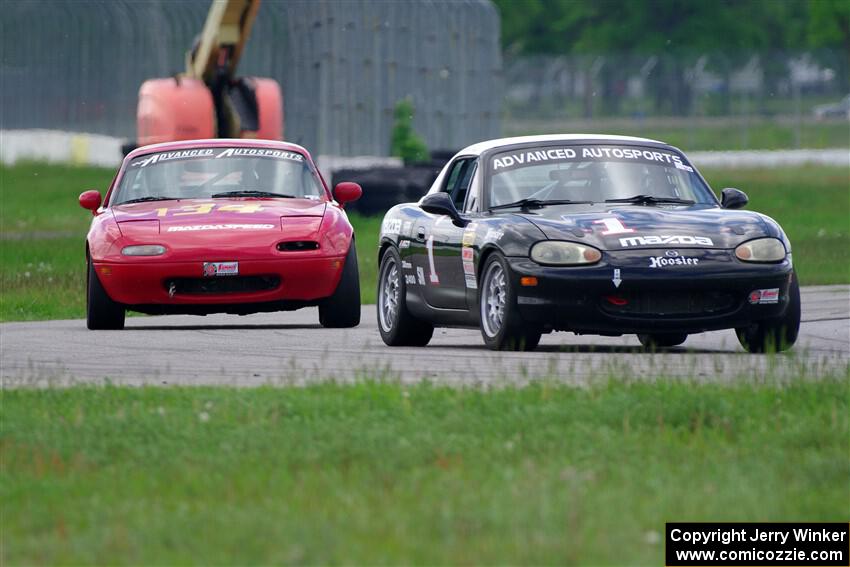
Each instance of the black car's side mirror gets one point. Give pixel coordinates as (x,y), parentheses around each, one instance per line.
(733,198)
(441,204)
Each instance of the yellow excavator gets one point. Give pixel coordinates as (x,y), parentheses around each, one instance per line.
(208,100)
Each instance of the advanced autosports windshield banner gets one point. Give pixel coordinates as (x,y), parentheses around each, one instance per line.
(536,156)
(743,544)
(216,153)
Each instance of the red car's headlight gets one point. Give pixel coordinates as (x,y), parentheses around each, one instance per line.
(143,250)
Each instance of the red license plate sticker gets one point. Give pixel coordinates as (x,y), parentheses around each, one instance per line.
(221,269)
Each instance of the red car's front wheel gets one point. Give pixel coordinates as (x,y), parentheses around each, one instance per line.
(342,309)
(102,313)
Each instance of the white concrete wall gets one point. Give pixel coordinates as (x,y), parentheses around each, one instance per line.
(55,146)
(770,158)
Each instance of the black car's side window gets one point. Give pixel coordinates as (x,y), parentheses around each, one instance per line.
(454,174)
(473,192)
(457,182)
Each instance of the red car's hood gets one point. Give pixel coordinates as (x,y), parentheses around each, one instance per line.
(190,215)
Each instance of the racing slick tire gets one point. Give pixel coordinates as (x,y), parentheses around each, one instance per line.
(501,324)
(342,309)
(661,340)
(395,323)
(775,335)
(102,313)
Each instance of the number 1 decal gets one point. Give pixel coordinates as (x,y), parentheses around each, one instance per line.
(613,225)
(430,246)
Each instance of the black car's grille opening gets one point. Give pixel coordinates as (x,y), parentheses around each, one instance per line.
(669,303)
(297,246)
(224,284)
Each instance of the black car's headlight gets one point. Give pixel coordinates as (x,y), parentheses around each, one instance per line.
(761,250)
(558,253)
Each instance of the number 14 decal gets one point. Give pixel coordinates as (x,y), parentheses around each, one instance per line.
(613,225)
(206,208)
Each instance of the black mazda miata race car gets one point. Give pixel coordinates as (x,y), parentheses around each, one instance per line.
(601,235)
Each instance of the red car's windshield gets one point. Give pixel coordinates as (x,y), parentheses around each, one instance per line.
(203,173)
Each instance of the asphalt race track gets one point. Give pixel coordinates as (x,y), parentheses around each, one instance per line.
(291,348)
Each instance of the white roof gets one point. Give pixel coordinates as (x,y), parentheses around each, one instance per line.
(477,149)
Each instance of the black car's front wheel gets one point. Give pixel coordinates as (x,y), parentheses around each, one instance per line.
(501,324)
(774,335)
(395,323)
(102,313)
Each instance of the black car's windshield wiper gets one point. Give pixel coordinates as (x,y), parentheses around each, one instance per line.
(150,198)
(538,203)
(650,200)
(251,193)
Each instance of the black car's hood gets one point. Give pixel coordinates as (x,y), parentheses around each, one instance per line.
(635,226)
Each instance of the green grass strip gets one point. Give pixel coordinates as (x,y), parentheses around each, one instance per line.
(377,473)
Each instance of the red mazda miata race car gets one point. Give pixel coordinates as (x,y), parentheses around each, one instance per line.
(212,226)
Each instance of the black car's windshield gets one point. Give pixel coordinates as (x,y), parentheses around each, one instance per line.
(204,173)
(596,173)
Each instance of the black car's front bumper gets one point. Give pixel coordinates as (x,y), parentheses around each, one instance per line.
(710,294)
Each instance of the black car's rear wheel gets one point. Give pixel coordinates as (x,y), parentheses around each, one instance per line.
(774,335)
(395,323)
(342,309)
(501,324)
(662,340)
(102,313)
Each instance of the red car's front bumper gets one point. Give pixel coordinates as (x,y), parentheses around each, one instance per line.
(148,282)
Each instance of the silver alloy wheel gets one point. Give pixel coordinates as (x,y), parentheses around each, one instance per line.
(388,295)
(494,294)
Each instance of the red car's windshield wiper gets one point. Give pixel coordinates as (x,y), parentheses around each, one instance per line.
(650,200)
(146,199)
(247,193)
(539,203)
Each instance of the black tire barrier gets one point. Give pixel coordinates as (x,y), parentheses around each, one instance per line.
(128,147)
(385,187)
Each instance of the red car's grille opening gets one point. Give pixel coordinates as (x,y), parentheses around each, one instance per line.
(669,303)
(229,284)
(297,246)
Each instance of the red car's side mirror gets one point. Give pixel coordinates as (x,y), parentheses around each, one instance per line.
(347,192)
(90,200)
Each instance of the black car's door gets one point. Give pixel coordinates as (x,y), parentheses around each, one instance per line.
(445,285)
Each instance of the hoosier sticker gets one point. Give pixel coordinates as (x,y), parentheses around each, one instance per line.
(662,262)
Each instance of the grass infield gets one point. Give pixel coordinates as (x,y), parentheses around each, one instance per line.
(377,473)
(42,230)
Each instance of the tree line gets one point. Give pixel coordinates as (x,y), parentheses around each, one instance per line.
(676,33)
(658,26)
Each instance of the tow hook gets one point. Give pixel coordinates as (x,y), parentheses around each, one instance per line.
(172,289)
